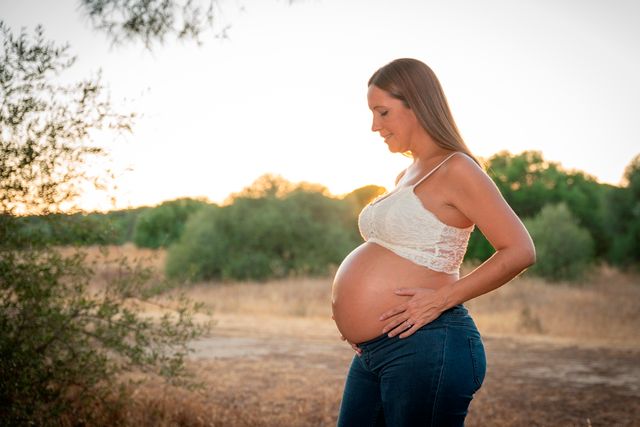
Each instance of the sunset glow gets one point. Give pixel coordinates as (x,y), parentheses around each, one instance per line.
(285,94)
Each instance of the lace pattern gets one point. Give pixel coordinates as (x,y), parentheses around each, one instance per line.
(399,222)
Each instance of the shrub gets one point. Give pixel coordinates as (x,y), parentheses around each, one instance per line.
(62,347)
(200,251)
(563,249)
(479,248)
(266,236)
(623,218)
(163,225)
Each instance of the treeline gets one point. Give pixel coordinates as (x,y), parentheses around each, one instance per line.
(275,228)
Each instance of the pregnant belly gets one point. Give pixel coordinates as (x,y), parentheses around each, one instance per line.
(363,288)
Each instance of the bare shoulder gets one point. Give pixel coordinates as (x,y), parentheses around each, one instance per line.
(461,163)
(463,173)
(476,196)
(471,189)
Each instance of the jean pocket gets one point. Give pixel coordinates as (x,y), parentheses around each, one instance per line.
(478,359)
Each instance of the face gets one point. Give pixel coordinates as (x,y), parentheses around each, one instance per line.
(395,123)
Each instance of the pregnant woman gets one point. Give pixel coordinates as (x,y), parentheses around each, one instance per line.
(397,298)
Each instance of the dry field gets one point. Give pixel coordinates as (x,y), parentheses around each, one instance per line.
(558,355)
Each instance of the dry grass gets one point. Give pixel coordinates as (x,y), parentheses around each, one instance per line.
(604,310)
(111,263)
(296,297)
(275,358)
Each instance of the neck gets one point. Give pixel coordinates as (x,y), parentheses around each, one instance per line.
(426,150)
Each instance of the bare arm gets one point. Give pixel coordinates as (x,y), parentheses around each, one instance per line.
(477,197)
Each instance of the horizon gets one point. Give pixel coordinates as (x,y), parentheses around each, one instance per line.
(330,193)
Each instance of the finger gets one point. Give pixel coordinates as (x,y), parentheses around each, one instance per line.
(392,325)
(409,332)
(399,328)
(356,349)
(393,312)
(406,291)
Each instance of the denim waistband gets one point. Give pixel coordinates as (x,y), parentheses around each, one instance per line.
(457,313)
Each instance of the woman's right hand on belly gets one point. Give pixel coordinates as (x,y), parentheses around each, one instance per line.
(354,346)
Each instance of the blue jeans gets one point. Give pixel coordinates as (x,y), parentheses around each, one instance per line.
(426,379)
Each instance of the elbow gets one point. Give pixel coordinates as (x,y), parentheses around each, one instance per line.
(521,257)
(528,257)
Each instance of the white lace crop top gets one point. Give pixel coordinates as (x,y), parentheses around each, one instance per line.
(399,222)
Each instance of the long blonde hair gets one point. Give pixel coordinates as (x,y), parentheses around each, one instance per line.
(416,85)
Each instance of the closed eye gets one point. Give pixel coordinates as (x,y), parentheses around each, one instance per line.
(383,113)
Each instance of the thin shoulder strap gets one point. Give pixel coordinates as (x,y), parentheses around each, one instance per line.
(434,169)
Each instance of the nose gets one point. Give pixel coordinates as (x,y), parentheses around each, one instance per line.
(375,127)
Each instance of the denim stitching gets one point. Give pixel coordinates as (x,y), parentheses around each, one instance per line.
(367,359)
(474,362)
(367,354)
(435,399)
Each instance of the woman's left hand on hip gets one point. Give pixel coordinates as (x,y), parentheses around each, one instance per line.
(424,306)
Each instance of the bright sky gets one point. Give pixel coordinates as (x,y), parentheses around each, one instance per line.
(286,93)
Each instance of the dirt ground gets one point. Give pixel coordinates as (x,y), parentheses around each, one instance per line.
(284,371)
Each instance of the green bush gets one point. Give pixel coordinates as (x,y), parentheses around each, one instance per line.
(79,229)
(529,182)
(302,232)
(563,249)
(479,248)
(623,218)
(162,225)
(199,252)
(63,348)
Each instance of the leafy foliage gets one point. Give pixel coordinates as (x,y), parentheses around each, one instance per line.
(528,183)
(163,225)
(623,217)
(479,248)
(564,249)
(151,20)
(268,231)
(79,229)
(62,347)
(43,145)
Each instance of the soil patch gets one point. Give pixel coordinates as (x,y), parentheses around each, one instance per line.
(274,371)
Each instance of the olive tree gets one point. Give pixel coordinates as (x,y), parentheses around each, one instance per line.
(150,20)
(62,347)
(156,21)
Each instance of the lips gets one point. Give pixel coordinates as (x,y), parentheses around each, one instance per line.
(387,137)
